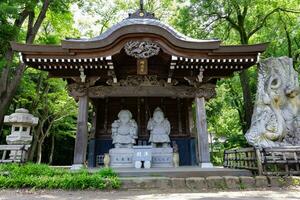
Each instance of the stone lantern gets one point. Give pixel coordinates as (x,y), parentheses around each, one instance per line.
(22,122)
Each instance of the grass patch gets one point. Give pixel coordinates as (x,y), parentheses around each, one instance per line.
(45,177)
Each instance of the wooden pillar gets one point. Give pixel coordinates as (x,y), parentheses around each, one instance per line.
(81,133)
(202,134)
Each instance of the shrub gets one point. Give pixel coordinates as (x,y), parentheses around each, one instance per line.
(43,176)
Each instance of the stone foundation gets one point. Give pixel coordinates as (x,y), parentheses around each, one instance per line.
(124,157)
(209,183)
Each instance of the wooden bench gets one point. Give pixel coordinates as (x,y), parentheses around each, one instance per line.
(265,161)
(13,153)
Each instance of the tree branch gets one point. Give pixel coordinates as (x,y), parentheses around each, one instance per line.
(263,21)
(38,21)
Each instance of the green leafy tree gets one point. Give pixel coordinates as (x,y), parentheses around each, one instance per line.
(19,21)
(236,21)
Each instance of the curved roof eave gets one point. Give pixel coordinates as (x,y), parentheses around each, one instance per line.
(140,26)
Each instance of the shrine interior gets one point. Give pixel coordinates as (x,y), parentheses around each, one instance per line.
(177,110)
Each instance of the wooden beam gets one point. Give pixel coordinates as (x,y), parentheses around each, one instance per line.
(81,133)
(206,90)
(202,134)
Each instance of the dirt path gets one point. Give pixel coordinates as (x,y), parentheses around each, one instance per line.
(277,194)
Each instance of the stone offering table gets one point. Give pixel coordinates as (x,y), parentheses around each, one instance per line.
(142,154)
(133,157)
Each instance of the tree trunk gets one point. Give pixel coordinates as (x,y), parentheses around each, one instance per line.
(36,135)
(32,149)
(247,100)
(9,85)
(52,149)
(39,152)
(247,96)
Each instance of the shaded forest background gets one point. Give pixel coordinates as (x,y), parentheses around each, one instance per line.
(50,21)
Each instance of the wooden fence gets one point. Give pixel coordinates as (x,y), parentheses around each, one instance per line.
(266,161)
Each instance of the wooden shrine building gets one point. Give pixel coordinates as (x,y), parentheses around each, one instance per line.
(140,64)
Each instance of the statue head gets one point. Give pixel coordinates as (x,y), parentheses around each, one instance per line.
(124,116)
(158,115)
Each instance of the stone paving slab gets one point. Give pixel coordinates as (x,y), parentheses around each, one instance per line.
(170,194)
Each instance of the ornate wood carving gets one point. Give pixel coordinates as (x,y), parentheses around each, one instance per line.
(79,89)
(207,91)
(150,80)
(141,49)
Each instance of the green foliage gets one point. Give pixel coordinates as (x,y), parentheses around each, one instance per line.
(205,19)
(107,172)
(42,176)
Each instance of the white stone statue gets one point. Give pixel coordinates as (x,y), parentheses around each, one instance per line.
(276,116)
(124,130)
(160,128)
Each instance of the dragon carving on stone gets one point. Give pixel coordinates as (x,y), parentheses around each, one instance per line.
(276,116)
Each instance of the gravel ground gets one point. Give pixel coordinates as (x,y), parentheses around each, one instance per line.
(276,194)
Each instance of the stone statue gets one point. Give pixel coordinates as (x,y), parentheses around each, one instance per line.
(276,116)
(160,128)
(124,130)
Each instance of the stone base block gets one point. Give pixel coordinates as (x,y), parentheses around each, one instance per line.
(162,157)
(261,181)
(247,182)
(206,165)
(196,183)
(121,157)
(232,182)
(277,181)
(146,183)
(75,167)
(178,183)
(215,182)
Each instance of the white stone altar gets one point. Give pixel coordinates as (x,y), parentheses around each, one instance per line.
(126,157)
(162,157)
(121,157)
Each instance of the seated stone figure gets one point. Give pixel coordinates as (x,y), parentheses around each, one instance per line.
(160,128)
(124,130)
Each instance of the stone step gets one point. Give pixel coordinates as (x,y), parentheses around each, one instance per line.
(208,183)
(181,172)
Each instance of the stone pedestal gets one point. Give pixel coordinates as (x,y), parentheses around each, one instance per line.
(162,157)
(121,157)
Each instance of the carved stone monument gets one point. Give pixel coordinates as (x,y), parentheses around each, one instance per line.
(22,122)
(276,116)
(160,128)
(124,133)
